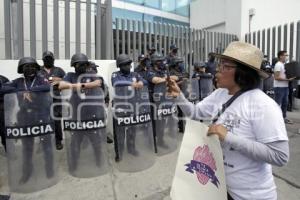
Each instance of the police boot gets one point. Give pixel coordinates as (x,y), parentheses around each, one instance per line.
(26,175)
(59,145)
(109,140)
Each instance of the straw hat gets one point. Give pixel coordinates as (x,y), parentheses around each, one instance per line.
(245,54)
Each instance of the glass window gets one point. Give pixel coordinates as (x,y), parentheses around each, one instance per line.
(153,3)
(183,7)
(168,5)
(139,2)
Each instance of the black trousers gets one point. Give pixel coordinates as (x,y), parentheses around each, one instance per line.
(290,103)
(181,121)
(76,140)
(28,144)
(2,126)
(28,147)
(57,123)
(120,133)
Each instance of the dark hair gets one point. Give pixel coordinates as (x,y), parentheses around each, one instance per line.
(281,53)
(246,77)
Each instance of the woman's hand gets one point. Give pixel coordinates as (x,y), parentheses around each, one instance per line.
(172,88)
(219,130)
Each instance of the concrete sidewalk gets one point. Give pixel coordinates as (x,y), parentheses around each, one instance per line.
(151,184)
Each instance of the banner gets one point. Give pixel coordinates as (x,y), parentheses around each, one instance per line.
(199,171)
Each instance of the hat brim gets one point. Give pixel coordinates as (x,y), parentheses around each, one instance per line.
(260,72)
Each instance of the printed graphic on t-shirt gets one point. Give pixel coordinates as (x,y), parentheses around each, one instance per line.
(232,121)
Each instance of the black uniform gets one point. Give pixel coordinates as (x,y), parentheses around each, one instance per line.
(157,124)
(120,79)
(181,76)
(88,112)
(60,73)
(3,80)
(28,115)
(205,83)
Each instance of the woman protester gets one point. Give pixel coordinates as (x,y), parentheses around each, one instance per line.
(248,123)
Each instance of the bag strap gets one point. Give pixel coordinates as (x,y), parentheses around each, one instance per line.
(227,104)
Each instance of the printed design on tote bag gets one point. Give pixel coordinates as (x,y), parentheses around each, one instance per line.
(204,165)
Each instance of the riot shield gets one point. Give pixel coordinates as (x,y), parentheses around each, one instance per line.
(165,121)
(206,87)
(190,89)
(84,125)
(133,133)
(31,157)
(268,86)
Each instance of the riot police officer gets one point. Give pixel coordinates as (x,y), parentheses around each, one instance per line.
(150,51)
(173,53)
(267,86)
(176,66)
(3,80)
(143,66)
(125,78)
(54,75)
(158,76)
(205,79)
(104,87)
(29,104)
(82,82)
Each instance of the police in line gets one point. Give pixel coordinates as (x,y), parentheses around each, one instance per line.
(125,78)
(176,67)
(143,66)
(29,103)
(156,76)
(150,51)
(205,79)
(82,81)
(268,83)
(104,87)
(3,80)
(54,75)
(173,53)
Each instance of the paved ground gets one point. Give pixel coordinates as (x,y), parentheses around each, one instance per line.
(151,184)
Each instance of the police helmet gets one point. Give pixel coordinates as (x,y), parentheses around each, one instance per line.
(156,58)
(173,47)
(175,61)
(26,60)
(48,54)
(79,57)
(199,64)
(123,59)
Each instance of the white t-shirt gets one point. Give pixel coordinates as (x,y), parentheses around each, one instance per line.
(279,67)
(254,116)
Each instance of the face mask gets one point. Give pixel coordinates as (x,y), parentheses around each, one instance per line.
(125,69)
(80,69)
(29,72)
(175,51)
(92,70)
(161,66)
(211,59)
(181,67)
(48,62)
